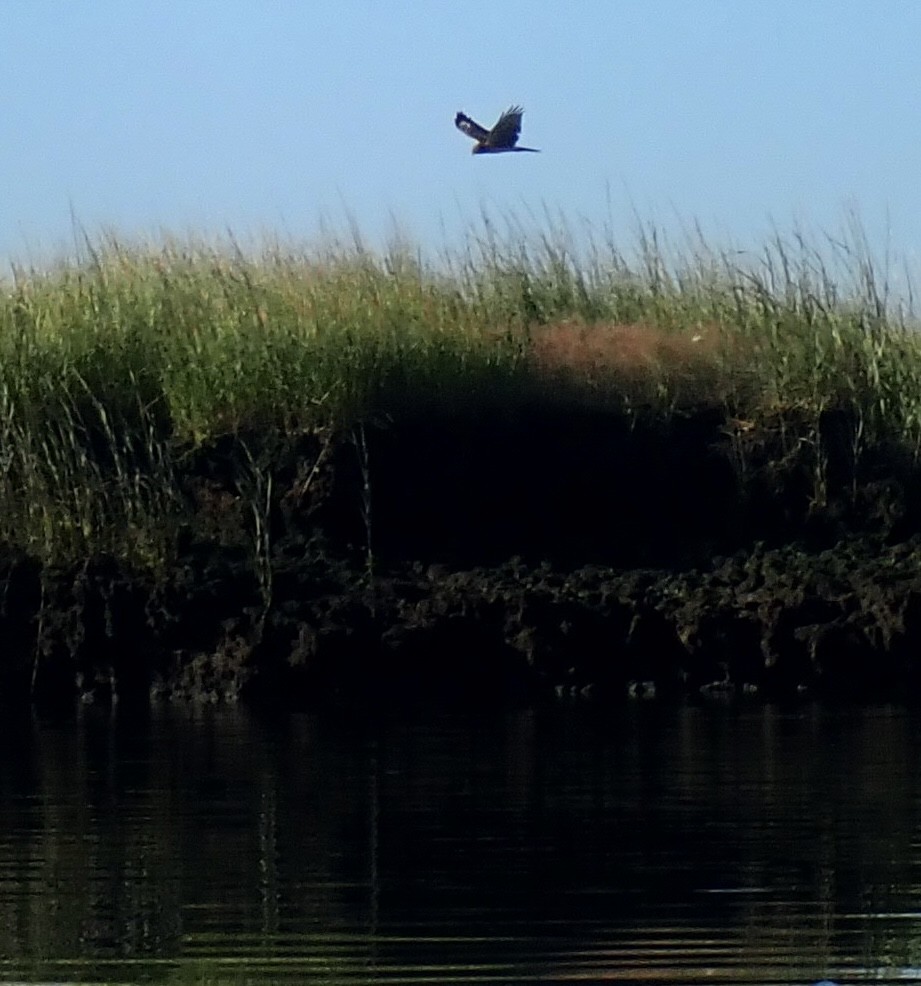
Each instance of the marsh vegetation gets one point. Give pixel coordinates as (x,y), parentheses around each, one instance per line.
(121,365)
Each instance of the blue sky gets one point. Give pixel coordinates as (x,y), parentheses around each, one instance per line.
(204,115)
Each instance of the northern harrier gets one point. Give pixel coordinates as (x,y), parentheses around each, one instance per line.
(503,136)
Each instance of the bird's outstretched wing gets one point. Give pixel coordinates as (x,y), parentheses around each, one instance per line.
(503,136)
(508,127)
(471,128)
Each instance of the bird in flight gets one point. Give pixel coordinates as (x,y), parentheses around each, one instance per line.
(503,136)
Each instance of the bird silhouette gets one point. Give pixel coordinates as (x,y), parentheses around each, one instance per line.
(503,136)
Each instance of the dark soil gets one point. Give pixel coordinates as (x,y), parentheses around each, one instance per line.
(498,559)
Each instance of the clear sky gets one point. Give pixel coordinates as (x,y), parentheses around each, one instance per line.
(259,115)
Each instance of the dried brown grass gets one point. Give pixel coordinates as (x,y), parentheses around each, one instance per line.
(636,361)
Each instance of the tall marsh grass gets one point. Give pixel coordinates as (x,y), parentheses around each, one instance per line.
(116,363)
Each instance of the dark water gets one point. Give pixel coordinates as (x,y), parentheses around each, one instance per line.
(628,846)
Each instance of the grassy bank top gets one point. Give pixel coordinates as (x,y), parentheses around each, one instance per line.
(113,364)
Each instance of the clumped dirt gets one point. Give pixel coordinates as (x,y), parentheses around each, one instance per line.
(501,558)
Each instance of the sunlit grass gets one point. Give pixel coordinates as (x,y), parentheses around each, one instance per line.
(114,364)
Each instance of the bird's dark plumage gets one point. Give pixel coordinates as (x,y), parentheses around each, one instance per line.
(503,136)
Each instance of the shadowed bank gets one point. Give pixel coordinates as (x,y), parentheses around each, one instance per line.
(525,471)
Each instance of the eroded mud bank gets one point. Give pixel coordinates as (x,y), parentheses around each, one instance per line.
(500,559)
